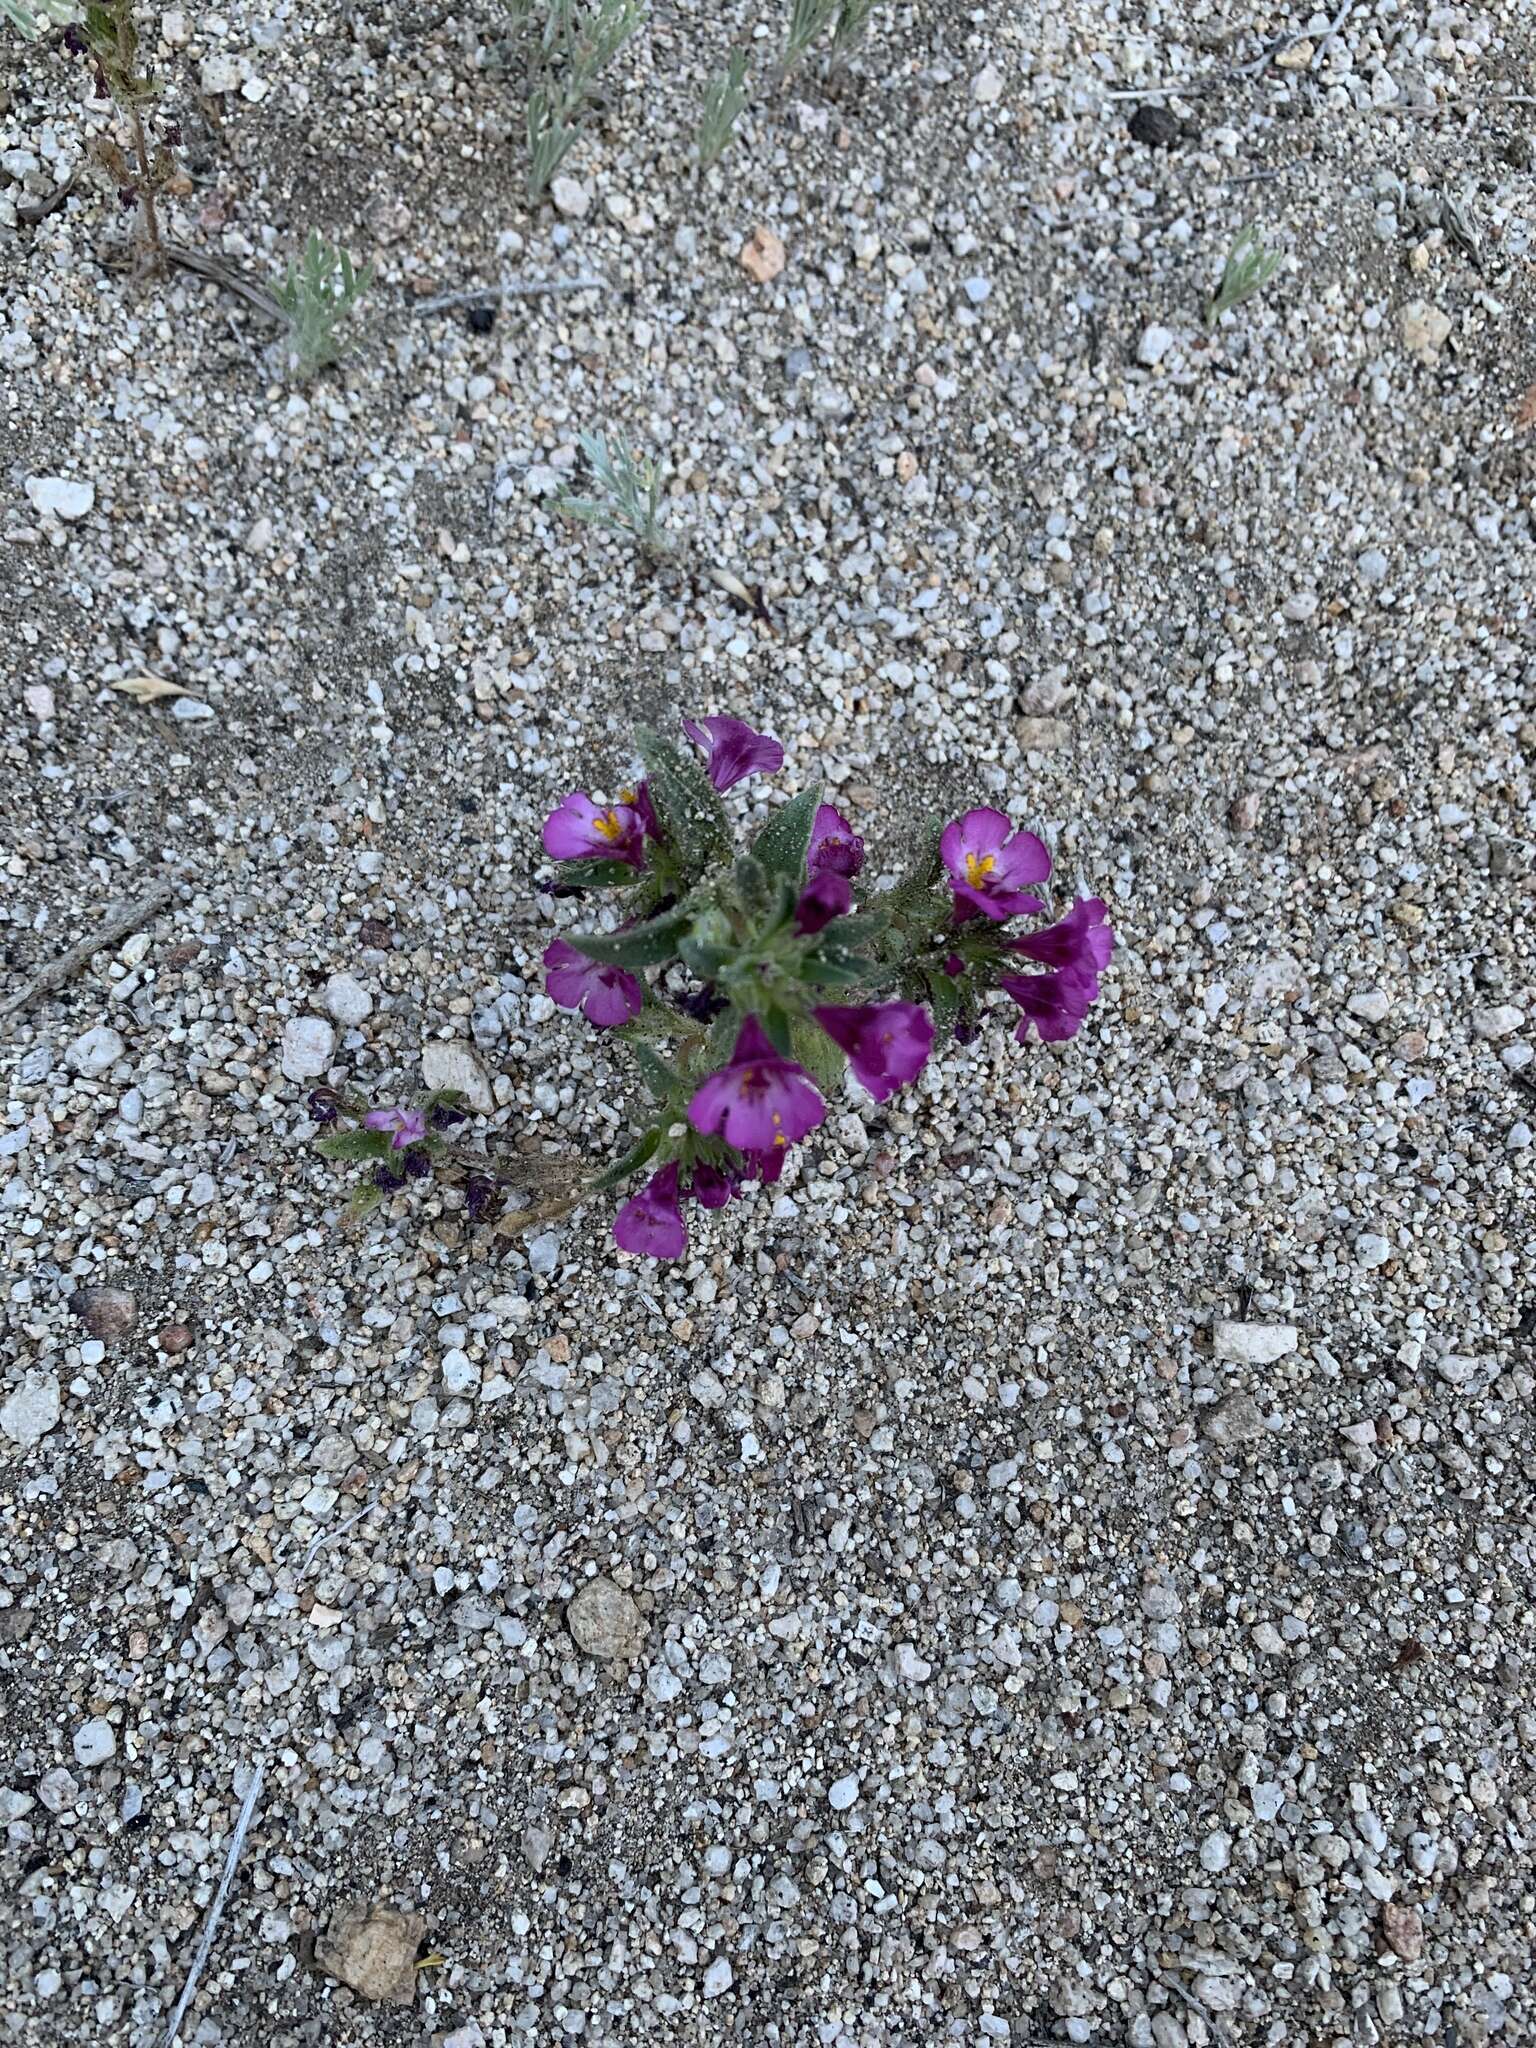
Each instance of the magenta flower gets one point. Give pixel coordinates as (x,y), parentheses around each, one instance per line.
(887,1043)
(835,848)
(1081,939)
(735,751)
(760,1102)
(583,830)
(710,1186)
(650,1224)
(988,864)
(604,995)
(644,809)
(821,900)
(406,1126)
(1055,1004)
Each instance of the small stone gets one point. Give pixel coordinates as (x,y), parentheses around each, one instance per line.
(109,1313)
(1402,1928)
(1371,1250)
(1371,1004)
(718,1978)
(844,1792)
(570,198)
(987,86)
(31,1410)
(60,497)
(94,1051)
(544,1254)
(1154,344)
(1372,566)
(1243,813)
(1267,1800)
(258,537)
(1216,1852)
(1501,1020)
(347,1000)
(94,1743)
(1153,125)
(373,1950)
(308,1043)
(1425,329)
(1254,1343)
(1237,1420)
(1299,606)
(762,255)
(174,1339)
(449,1063)
(604,1621)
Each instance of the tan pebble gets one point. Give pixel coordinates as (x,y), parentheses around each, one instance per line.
(762,255)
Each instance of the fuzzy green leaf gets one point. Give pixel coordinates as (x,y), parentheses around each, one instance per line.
(354,1145)
(781,845)
(596,874)
(661,1080)
(685,802)
(641,945)
(821,1059)
(632,1161)
(363,1200)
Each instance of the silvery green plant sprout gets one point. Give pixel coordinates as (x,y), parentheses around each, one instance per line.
(1249,267)
(746,984)
(573,45)
(30,18)
(809,20)
(850,28)
(317,295)
(397,1144)
(627,497)
(724,98)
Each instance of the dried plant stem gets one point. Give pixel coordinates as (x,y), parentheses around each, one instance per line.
(216,1906)
(115,928)
(151,248)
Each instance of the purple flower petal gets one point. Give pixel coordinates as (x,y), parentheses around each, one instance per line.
(1081,939)
(1055,1004)
(988,864)
(710,1186)
(406,1126)
(835,848)
(759,1101)
(735,751)
(822,899)
(650,1224)
(605,995)
(583,830)
(887,1043)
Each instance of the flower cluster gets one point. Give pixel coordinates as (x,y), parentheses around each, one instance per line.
(748,984)
(395,1143)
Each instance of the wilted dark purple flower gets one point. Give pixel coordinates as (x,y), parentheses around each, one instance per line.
(479,1193)
(702,1004)
(444,1117)
(710,1186)
(388,1179)
(835,848)
(822,899)
(418,1162)
(322,1106)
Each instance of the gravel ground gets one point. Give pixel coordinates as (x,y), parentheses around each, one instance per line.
(1060,1567)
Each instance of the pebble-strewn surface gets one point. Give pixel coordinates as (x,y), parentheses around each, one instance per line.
(1059,1567)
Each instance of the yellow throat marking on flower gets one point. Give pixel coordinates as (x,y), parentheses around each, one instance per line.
(608,825)
(978,866)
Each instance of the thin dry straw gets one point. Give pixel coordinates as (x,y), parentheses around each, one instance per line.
(216,1905)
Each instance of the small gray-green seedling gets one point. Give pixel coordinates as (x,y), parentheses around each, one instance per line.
(724,97)
(627,498)
(317,295)
(572,46)
(851,27)
(1249,267)
(30,17)
(809,20)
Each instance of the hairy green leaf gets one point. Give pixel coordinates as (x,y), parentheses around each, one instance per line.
(639,945)
(632,1161)
(781,846)
(821,1059)
(685,802)
(362,1201)
(354,1145)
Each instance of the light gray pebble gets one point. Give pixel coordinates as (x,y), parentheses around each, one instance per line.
(1253,1343)
(347,1000)
(94,1742)
(31,1409)
(60,497)
(308,1043)
(94,1051)
(843,1792)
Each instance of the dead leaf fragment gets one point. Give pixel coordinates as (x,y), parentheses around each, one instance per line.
(147,689)
(762,255)
(1525,411)
(373,1949)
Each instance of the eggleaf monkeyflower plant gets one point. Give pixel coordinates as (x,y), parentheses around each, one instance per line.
(395,1144)
(747,984)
